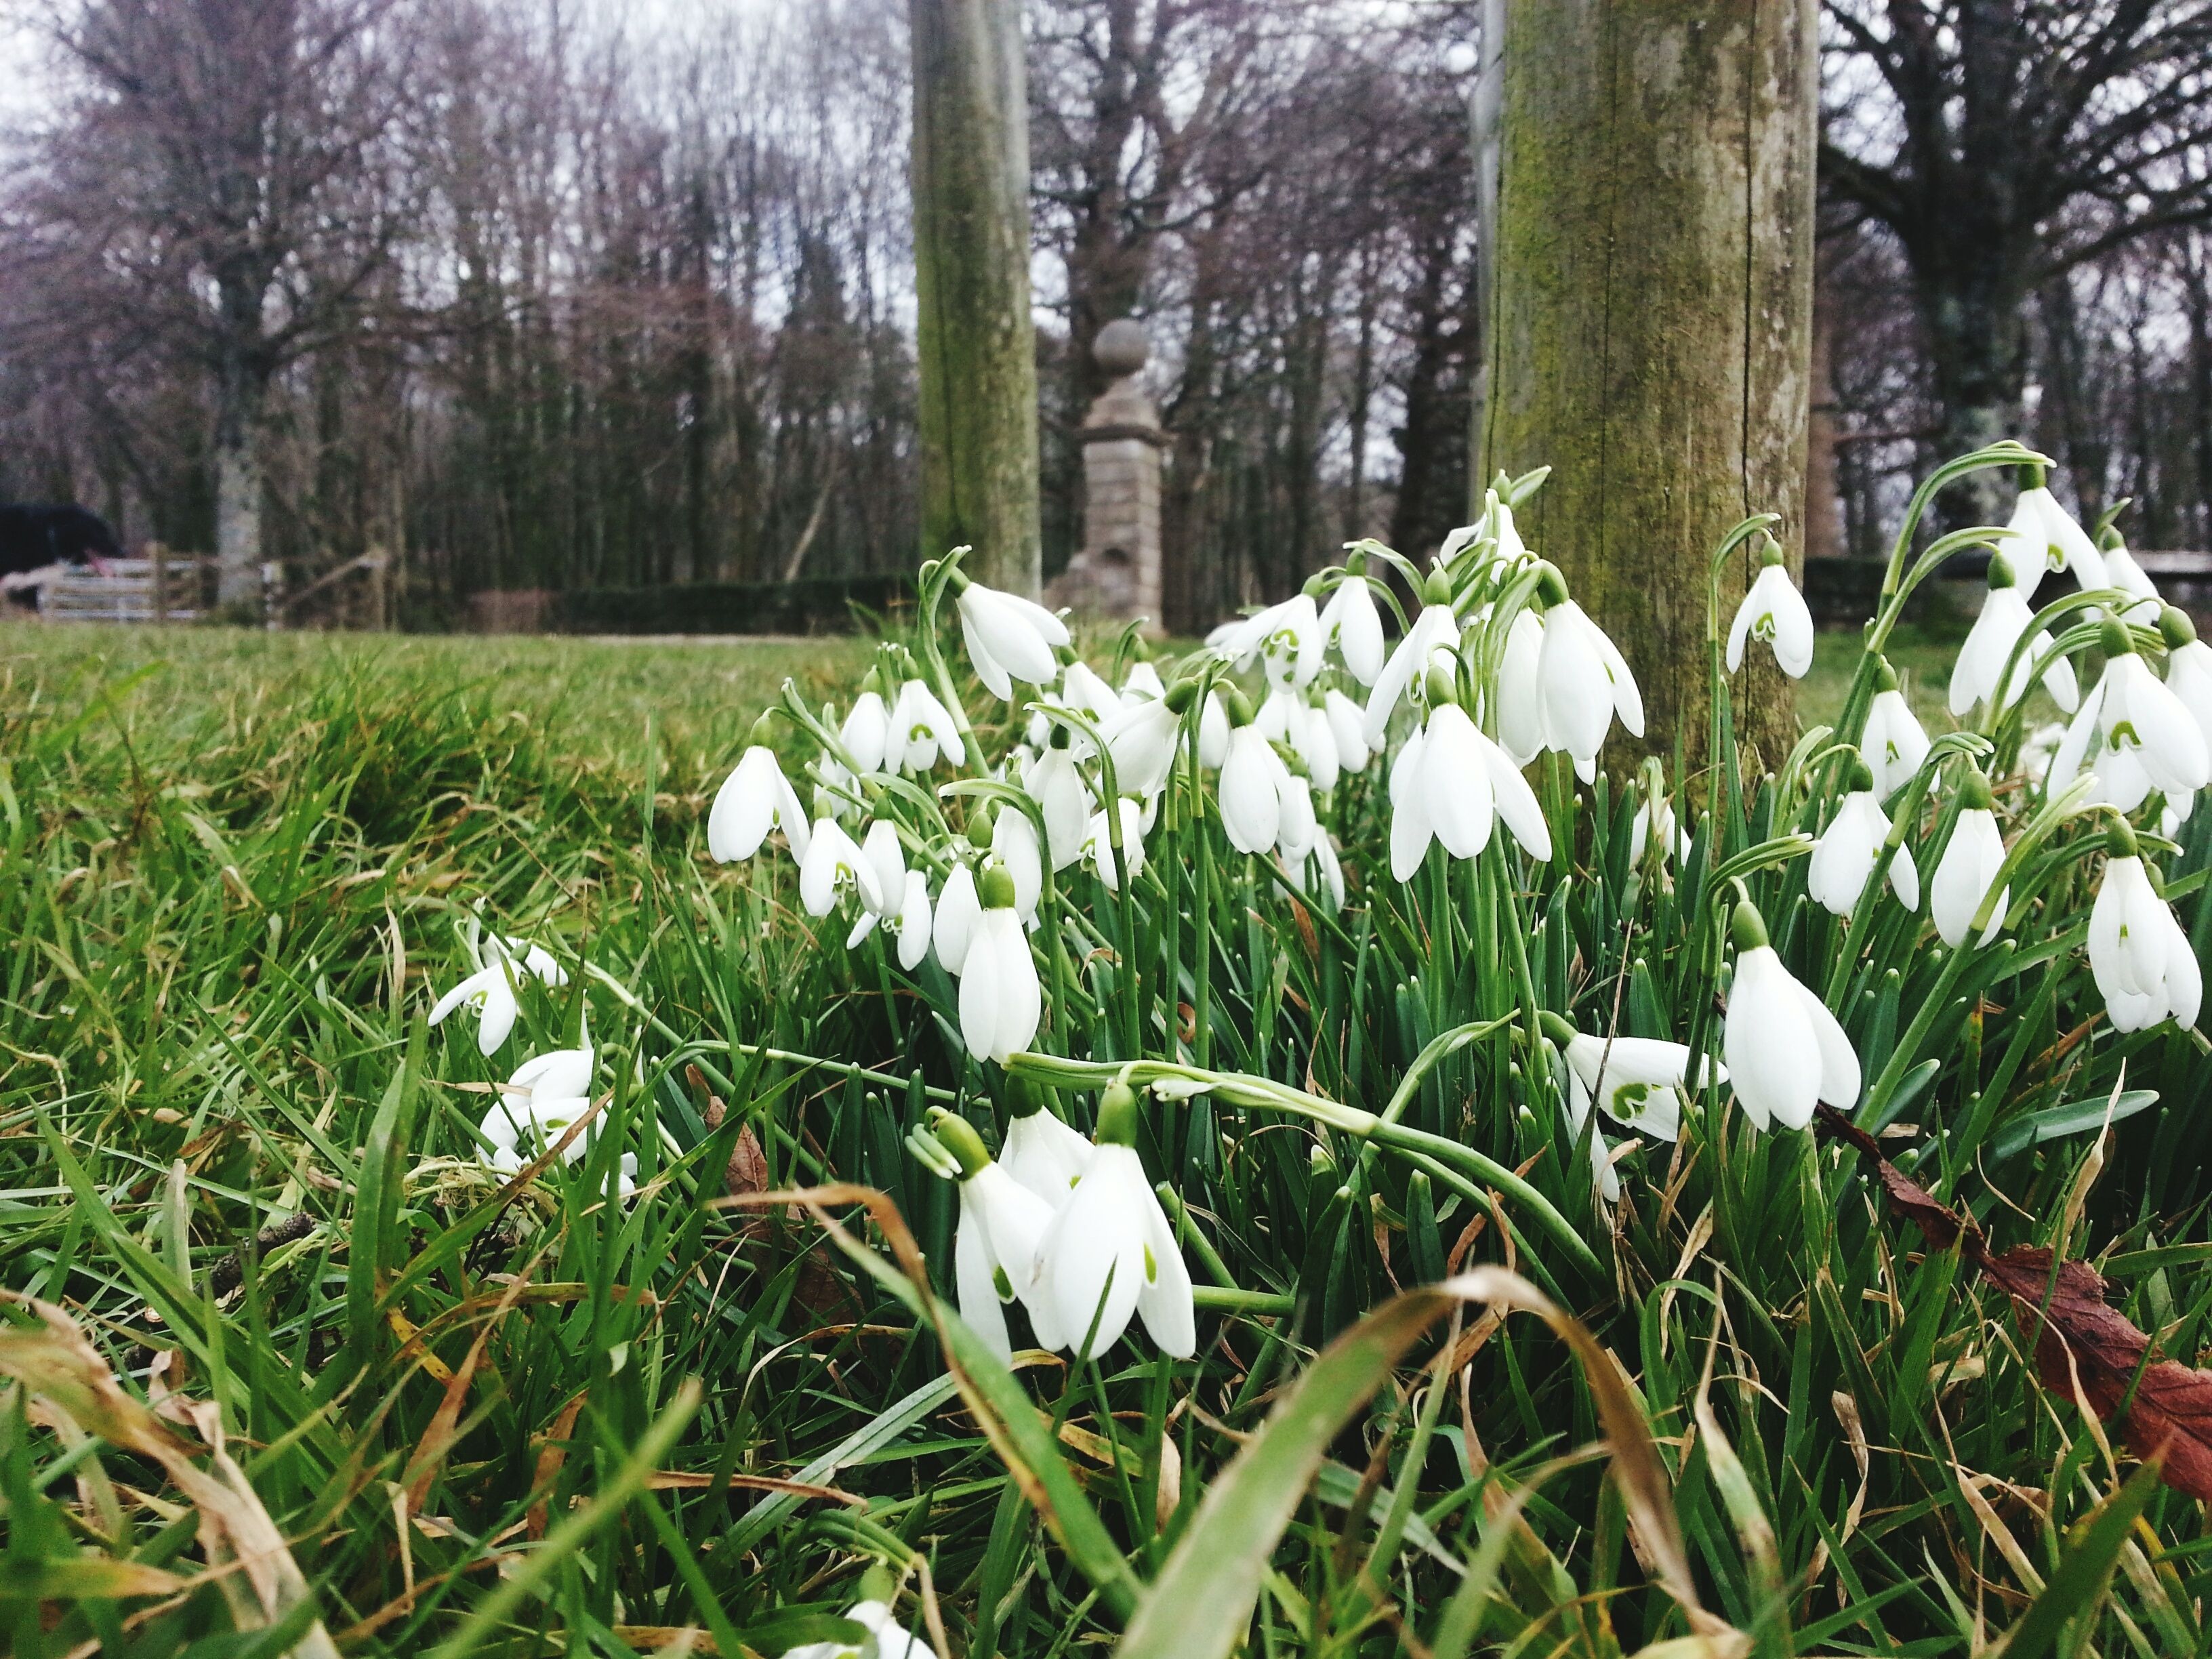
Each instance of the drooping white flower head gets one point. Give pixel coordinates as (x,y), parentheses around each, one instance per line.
(1009,638)
(1142,682)
(546,1095)
(887,1638)
(1435,628)
(994,1247)
(1000,1002)
(1288,716)
(1289,635)
(1082,687)
(1349,622)
(1894,743)
(1055,783)
(2042,535)
(1969,866)
(1317,871)
(1347,726)
(957,912)
(1098,843)
(1142,740)
(2139,955)
(1520,694)
(1043,1154)
(1773,611)
(1014,844)
(1451,783)
(922,730)
(1673,839)
(2188,668)
(1785,1051)
(866,732)
(1981,661)
(1214,733)
(834,865)
(1846,854)
(1253,781)
(502,962)
(2133,732)
(1636,1081)
(1110,1254)
(2121,571)
(1583,683)
(753,800)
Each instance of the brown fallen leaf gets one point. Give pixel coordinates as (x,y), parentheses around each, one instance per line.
(2085,1348)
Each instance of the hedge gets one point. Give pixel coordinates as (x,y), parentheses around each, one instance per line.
(818,605)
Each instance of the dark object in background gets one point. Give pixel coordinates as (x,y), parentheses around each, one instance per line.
(34,537)
(820,605)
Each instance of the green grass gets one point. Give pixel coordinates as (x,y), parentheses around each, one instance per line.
(237,869)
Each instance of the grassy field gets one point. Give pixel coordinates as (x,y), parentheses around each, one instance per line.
(519,1417)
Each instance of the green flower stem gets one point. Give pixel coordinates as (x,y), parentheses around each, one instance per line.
(1245,1090)
(935,576)
(1197,1243)
(1224,1299)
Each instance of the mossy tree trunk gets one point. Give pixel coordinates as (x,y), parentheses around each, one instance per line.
(1651,323)
(974,340)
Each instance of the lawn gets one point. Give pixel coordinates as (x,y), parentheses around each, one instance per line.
(521,1416)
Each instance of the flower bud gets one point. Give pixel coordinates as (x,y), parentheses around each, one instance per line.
(1438,590)
(2113,639)
(1860,776)
(2001,573)
(2121,843)
(1181,695)
(1442,685)
(1555,1027)
(1551,586)
(1239,706)
(1770,552)
(1885,675)
(763,733)
(1974,792)
(2175,628)
(979,827)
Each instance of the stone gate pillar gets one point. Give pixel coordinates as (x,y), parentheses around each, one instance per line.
(1116,574)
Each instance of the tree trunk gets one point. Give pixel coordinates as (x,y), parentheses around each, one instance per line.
(1655,272)
(1824,526)
(1977,351)
(974,340)
(241,389)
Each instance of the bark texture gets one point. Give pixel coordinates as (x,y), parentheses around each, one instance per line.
(1652,330)
(974,340)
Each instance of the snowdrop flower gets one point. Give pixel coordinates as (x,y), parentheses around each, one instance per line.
(2133,732)
(1009,638)
(2139,956)
(834,864)
(994,1247)
(1288,635)
(1520,702)
(1014,844)
(953,927)
(1141,740)
(1347,724)
(1673,839)
(866,732)
(1098,843)
(502,962)
(1583,682)
(1141,684)
(1989,646)
(1449,783)
(1081,688)
(1253,781)
(1773,611)
(1109,1253)
(1054,782)
(1298,827)
(2188,668)
(2121,571)
(1349,622)
(1968,867)
(2042,535)
(753,800)
(544,1096)
(2038,749)
(1042,1152)
(1784,1050)
(1845,855)
(922,730)
(1214,733)
(1000,1004)
(1315,871)
(904,894)
(1287,717)
(887,1638)
(1435,628)
(1894,742)
(1637,1081)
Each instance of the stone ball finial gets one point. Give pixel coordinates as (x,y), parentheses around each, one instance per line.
(1121,347)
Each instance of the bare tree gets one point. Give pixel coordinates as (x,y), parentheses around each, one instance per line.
(2006,142)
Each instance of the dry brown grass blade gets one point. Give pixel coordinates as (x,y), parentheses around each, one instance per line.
(57,1364)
